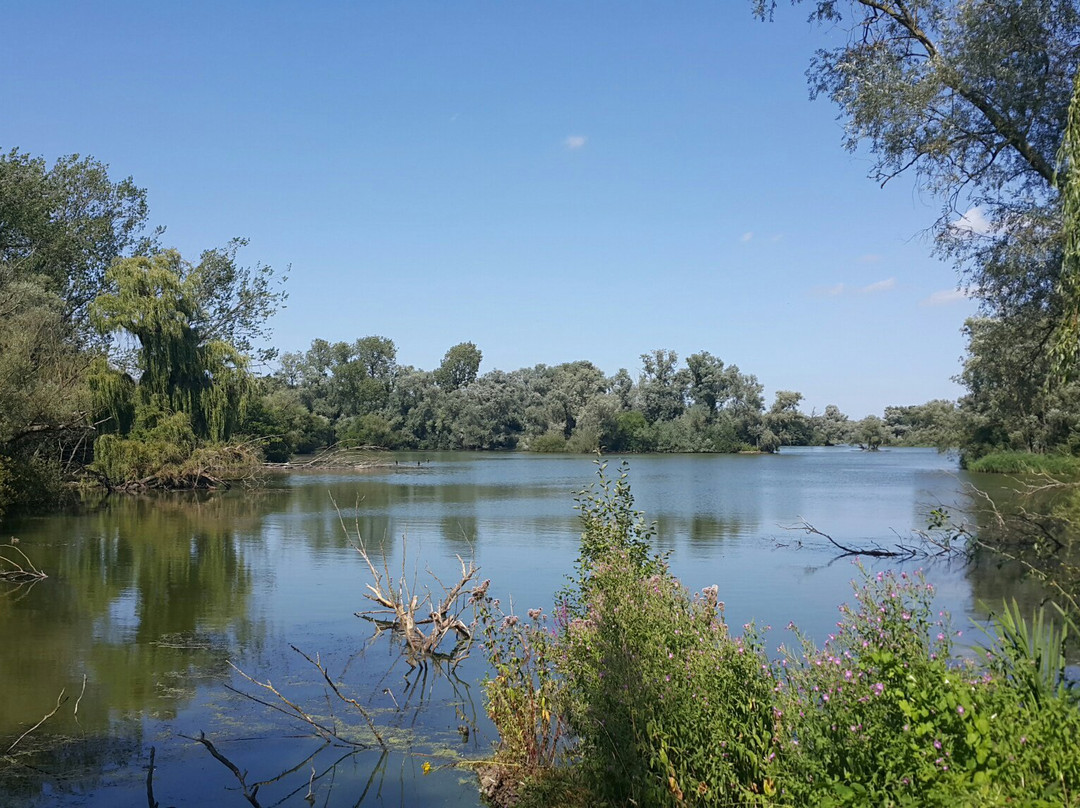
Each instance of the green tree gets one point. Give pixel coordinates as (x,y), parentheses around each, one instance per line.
(163,302)
(459,367)
(870,433)
(661,388)
(786,422)
(830,428)
(62,226)
(972,97)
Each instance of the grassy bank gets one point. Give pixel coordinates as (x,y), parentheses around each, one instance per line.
(1058,465)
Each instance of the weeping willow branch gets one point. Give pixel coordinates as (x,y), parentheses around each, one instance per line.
(1065,342)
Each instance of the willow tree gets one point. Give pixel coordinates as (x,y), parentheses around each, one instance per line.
(166,305)
(972,99)
(1066,342)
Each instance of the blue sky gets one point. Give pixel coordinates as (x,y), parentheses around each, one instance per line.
(553,181)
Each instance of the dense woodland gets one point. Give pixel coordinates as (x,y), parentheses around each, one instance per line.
(126,364)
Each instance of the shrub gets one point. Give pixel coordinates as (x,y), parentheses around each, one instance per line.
(1026,463)
(667,707)
(549,442)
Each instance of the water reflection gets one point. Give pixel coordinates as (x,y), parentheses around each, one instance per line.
(151,597)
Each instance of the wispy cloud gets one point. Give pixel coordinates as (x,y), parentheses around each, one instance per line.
(749,234)
(974,221)
(946,297)
(575,142)
(840,289)
(869,258)
(878,286)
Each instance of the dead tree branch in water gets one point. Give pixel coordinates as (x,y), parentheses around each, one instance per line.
(16,572)
(249,792)
(329,734)
(423,621)
(928,546)
(61,700)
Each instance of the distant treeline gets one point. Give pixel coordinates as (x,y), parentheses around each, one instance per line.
(123,363)
(356,393)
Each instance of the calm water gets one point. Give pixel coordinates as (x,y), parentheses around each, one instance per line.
(152,598)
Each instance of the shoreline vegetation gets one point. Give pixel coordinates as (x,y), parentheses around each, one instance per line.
(634,691)
(125,365)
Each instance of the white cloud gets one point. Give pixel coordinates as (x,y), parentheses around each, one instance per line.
(945,297)
(749,234)
(869,258)
(878,286)
(830,291)
(974,221)
(575,142)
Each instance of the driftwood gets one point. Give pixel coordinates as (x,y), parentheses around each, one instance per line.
(341,456)
(61,700)
(927,547)
(420,619)
(250,792)
(14,571)
(327,731)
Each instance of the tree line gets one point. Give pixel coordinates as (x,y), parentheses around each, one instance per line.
(123,361)
(357,393)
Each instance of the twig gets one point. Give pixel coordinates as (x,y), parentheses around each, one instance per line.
(875,551)
(59,703)
(294,711)
(78,701)
(333,686)
(150,801)
(19,573)
(249,793)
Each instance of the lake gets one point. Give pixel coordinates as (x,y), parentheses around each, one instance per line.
(154,599)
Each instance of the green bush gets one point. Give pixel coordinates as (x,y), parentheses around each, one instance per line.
(1026,463)
(549,442)
(665,706)
(882,715)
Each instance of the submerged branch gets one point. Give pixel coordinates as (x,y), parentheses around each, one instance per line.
(241,777)
(16,572)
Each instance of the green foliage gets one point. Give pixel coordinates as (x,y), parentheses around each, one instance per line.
(665,704)
(936,423)
(1065,342)
(368,430)
(164,452)
(1026,463)
(160,301)
(62,226)
(460,366)
(521,690)
(881,715)
(982,102)
(631,433)
(666,707)
(1031,655)
(549,443)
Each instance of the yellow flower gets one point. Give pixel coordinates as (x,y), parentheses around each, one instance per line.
(426,767)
